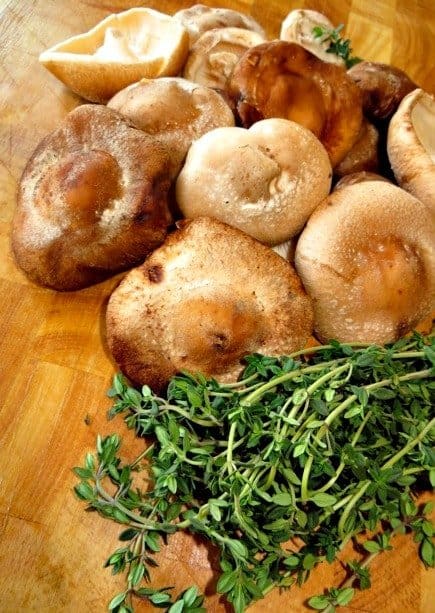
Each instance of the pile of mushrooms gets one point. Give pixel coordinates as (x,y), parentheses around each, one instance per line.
(242,245)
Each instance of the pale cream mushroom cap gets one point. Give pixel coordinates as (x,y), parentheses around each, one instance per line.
(213,56)
(411,146)
(199,18)
(366,258)
(204,300)
(298,28)
(265,181)
(120,50)
(174,110)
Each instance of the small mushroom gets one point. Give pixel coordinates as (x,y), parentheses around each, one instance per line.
(382,87)
(174,110)
(206,298)
(281,79)
(265,181)
(118,51)
(92,201)
(200,18)
(359,177)
(213,56)
(364,153)
(411,146)
(299,27)
(366,258)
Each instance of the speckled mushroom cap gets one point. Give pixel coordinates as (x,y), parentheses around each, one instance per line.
(174,110)
(366,258)
(206,298)
(265,181)
(92,200)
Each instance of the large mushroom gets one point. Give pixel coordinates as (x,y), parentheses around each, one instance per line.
(201,302)
(92,200)
(265,181)
(281,79)
(367,259)
(174,110)
(118,51)
(411,146)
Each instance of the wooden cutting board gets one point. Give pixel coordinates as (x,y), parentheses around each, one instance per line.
(54,365)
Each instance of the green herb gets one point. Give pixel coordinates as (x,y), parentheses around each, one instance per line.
(321,445)
(337,45)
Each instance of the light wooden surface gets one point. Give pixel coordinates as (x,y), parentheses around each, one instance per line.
(54,368)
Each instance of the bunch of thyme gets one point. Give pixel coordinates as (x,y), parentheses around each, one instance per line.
(318,446)
(337,45)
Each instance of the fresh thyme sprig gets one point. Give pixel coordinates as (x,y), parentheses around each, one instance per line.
(337,45)
(321,445)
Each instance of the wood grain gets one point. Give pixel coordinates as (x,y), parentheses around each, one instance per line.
(54,365)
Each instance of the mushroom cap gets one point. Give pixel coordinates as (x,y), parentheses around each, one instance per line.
(298,28)
(281,79)
(206,298)
(382,87)
(213,56)
(366,258)
(199,18)
(359,177)
(265,181)
(118,51)
(174,110)
(411,146)
(92,200)
(364,153)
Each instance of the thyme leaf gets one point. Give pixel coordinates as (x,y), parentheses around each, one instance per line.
(322,445)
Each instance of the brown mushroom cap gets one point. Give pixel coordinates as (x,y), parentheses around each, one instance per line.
(201,302)
(199,18)
(92,201)
(213,56)
(281,79)
(382,86)
(120,50)
(411,146)
(265,181)
(174,110)
(364,153)
(366,258)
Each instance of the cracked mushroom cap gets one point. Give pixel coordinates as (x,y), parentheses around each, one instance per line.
(411,146)
(120,50)
(92,201)
(213,56)
(200,18)
(281,79)
(206,298)
(174,110)
(367,259)
(298,27)
(265,181)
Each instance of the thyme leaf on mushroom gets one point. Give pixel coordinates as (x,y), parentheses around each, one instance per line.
(337,45)
(321,445)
